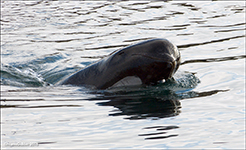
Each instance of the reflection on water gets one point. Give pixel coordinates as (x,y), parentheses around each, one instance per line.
(143,107)
(149,104)
(159,134)
(155,102)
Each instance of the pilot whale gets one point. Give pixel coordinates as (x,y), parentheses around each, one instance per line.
(144,63)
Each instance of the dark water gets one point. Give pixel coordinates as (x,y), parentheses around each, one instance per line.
(43,41)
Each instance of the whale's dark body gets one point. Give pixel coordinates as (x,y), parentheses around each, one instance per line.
(144,63)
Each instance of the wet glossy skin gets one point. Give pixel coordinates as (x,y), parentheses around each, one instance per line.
(151,61)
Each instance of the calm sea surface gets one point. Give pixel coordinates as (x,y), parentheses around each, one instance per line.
(43,41)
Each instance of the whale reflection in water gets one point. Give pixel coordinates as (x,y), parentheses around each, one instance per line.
(156,106)
(142,107)
(152,102)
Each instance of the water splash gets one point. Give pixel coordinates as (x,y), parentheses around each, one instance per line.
(20,77)
(34,73)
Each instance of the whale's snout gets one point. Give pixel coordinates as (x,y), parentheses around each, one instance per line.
(169,70)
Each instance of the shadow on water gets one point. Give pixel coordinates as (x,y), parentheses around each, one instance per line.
(158,132)
(144,106)
(149,104)
(152,102)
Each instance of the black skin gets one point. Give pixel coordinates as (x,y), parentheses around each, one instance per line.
(151,61)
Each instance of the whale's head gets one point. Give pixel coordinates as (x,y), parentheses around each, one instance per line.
(151,61)
(144,63)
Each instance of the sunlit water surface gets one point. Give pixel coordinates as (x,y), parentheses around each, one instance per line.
(43,41)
